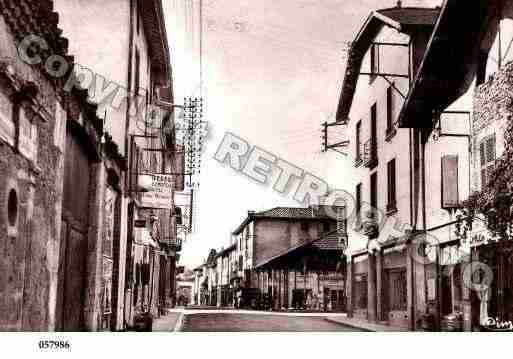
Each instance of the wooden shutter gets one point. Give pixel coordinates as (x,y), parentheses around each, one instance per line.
(374,190)
(389,109)
(391,183)
(449,181)
(487,152)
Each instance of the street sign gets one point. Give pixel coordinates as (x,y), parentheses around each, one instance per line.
(158,191)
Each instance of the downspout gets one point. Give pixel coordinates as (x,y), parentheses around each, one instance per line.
(127,178)
(129,88)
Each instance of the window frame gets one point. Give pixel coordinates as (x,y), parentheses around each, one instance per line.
(486,161)
(391,186)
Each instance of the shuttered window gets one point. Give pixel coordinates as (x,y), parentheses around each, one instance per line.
(389,109)
(391,186)
(487,154)
(374,190)
(450,181)
(358,204)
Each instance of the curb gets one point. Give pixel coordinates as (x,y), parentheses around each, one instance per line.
(349,325)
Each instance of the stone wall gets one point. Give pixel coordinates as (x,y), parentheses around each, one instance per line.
(493,105)
(29,251)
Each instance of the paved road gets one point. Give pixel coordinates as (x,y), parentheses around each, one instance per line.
(235,322)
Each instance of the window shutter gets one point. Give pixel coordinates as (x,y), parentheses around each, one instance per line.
(490,148)
(389,108)
(449,181)
(487,153)
(482,152)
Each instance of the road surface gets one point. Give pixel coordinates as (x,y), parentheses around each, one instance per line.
(243,322)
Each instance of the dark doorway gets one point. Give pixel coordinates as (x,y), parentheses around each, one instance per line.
(74,230)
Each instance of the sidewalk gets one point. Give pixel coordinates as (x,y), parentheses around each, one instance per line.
(364,324)
(169,322)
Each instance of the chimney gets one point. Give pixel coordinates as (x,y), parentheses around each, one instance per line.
(399,4)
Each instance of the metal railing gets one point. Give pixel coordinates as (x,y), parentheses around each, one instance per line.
(370,153)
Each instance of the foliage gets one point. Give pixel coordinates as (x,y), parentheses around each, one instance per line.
(494,203)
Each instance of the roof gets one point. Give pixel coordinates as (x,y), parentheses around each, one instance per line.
(404,19)
(155,29)
(411,15)
(446,71)
(225,251)
(327,242)
(305,213)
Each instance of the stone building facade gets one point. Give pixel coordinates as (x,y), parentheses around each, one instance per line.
(69,206)
(37,118)
(129,78)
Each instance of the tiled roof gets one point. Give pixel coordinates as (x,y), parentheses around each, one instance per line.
(293,212)
(312,213)
(330,241)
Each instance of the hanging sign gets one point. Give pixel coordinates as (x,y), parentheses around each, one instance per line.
(158,191)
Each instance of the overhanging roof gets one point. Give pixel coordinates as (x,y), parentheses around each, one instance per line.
(155,29)
(405,20)
(447,68)
(328,242)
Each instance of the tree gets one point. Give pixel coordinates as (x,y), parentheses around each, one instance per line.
(494,203)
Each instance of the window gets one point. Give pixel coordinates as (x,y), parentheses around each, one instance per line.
(304,226)
(374,61)
(137,72)
(391,206)
(7,127)
(450,181)
(358,204)
(358,145)
(371,146)
(374,190)
(27,134)
(12,208)
(390,132)
(487,154)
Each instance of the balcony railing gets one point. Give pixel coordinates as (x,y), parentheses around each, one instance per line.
(370,224)
(370,153)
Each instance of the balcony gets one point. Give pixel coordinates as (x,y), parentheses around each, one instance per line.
(370,153)
(370,225)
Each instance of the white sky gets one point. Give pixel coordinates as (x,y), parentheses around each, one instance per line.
(272,72)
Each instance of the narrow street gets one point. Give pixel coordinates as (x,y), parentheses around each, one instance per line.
(234,321)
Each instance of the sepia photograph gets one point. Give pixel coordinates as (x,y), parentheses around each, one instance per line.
(275,166)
